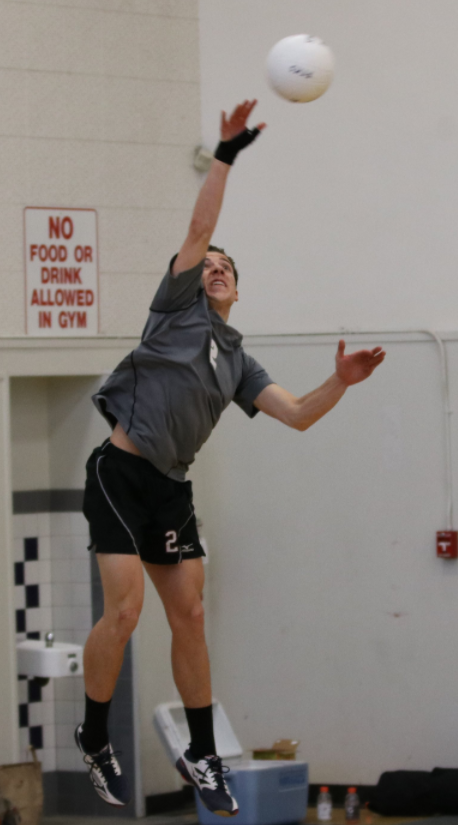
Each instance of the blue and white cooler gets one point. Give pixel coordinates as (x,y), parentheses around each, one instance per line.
(268,792)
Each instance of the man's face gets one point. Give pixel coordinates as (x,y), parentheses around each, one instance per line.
(219,281)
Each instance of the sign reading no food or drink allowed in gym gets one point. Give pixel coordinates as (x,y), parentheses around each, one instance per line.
(62,295)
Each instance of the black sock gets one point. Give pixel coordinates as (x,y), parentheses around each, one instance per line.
(200,723)
(95,727)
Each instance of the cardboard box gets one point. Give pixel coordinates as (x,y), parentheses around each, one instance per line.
(281,749)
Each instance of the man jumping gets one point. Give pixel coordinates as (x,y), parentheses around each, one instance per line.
(162,402)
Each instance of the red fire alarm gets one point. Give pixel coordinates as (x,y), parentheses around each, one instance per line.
(447,544)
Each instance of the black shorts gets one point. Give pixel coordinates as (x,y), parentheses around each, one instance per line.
(134,509)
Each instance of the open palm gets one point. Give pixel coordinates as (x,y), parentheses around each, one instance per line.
(359,365)
(237,122)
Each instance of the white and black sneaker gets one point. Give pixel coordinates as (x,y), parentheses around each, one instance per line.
(207,775)
(105,773)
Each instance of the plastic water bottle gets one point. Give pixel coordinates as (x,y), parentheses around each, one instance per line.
(352,806)
(324,805)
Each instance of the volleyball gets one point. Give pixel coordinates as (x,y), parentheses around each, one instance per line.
(300,68)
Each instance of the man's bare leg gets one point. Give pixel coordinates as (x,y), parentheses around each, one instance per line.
(180,588)
(123,590)
(123,587)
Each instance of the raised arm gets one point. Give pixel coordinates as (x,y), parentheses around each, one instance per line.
(234,137)
(301,413)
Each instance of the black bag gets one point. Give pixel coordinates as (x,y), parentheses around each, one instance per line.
(416,793)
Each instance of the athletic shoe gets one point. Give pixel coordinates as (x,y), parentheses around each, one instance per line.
(105,773)
(207,775)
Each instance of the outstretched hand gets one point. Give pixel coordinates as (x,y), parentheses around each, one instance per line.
(237,122)
(358,366)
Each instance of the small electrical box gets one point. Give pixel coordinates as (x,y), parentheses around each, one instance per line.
(447,544)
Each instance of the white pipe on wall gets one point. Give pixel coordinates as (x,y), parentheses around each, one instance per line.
(448,412)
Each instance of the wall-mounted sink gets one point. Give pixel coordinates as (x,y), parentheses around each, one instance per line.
(36,658)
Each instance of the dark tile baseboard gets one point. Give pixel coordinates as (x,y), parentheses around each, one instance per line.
(162,803)
(70,793)
(47,501)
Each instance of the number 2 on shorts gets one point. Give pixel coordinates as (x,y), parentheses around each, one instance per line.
(171,537)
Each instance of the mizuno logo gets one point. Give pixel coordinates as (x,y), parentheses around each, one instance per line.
(187,548)
(213,353)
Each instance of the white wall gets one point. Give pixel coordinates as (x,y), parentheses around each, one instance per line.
(75,428)
(331,617)
(54,427)
(342,214)
(332,620)
(29,432)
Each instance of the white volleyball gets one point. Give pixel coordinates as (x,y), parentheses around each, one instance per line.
(300,68)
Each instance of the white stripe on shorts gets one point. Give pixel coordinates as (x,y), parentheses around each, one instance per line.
(112,505)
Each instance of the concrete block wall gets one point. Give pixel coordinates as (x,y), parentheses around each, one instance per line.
(99,107)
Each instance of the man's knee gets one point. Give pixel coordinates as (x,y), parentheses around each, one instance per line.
(189,617)
(123,586)
(123,622)
(128,617)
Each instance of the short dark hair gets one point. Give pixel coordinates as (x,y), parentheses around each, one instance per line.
(218,249)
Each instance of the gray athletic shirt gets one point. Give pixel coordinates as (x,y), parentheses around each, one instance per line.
(169,393)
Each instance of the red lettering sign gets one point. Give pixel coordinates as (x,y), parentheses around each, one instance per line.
(61,271)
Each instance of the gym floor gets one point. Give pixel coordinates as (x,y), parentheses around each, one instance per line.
(182,817)
(189,817)
(178,818)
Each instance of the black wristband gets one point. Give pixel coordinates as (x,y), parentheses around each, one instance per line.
(227,150)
